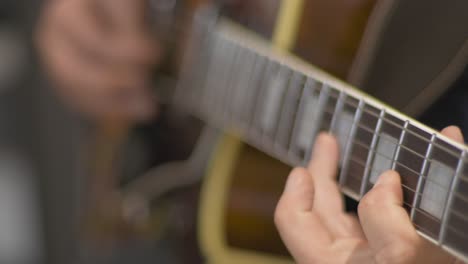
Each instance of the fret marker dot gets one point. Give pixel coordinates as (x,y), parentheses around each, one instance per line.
(436,188)
(385,149)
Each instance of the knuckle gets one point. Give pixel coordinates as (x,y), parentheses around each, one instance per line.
(298,170)
(368,201)
(280,214)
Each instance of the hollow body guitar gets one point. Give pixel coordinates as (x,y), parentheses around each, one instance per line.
(277,104)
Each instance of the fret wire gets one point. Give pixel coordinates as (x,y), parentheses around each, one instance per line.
(215,71)
(231,38)
(228,83)
(428,159)
(449,202)
(424,169)
(221,84)
(357,118)
(273,153)
(290,151)
(421,211)
(322,102)
(394,124)
(338,110)
(283,111)
(298,117)
(267,68)
(247,102)
(293,94)
(413,191)
(250,105)
(390,122)
(237,79)
(269,136)
(370,156)
(231,82)
(362,164)
(400,142)
(364,145)
(370,130)
(458,213)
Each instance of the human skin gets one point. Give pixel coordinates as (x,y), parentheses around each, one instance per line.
(313,224)
(99,55)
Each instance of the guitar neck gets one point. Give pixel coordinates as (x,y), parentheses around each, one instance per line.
(278,103)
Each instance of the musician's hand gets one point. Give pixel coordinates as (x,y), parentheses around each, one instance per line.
(99,53)
(312,222)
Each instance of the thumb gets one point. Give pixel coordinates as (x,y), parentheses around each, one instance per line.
(385,222)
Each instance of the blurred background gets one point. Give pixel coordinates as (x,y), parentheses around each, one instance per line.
(96,166)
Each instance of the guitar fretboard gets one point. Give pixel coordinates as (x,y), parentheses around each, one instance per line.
(278,103)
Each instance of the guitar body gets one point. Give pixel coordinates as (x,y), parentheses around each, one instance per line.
(243,184)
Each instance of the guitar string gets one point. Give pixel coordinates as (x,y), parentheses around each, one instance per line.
(363,126)
(363,144)
(407,130)
(420,227)
(426,179)
(262,145)
(410,206)
(399,163)
(232,76)
(429,199)
(407,187)
(241,46)
(426,230)
(399,145)
(415,193)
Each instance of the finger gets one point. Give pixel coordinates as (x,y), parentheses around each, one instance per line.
(70,67)
(295,221)
(328,202)
(454,133)
(388,228)
(385,222)
(94,89)
(126,16)
(323,168)
(74,21)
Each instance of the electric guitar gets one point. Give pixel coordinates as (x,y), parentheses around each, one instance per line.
(276,103)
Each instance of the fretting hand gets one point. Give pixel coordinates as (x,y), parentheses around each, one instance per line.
(99,55)
(312,222)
